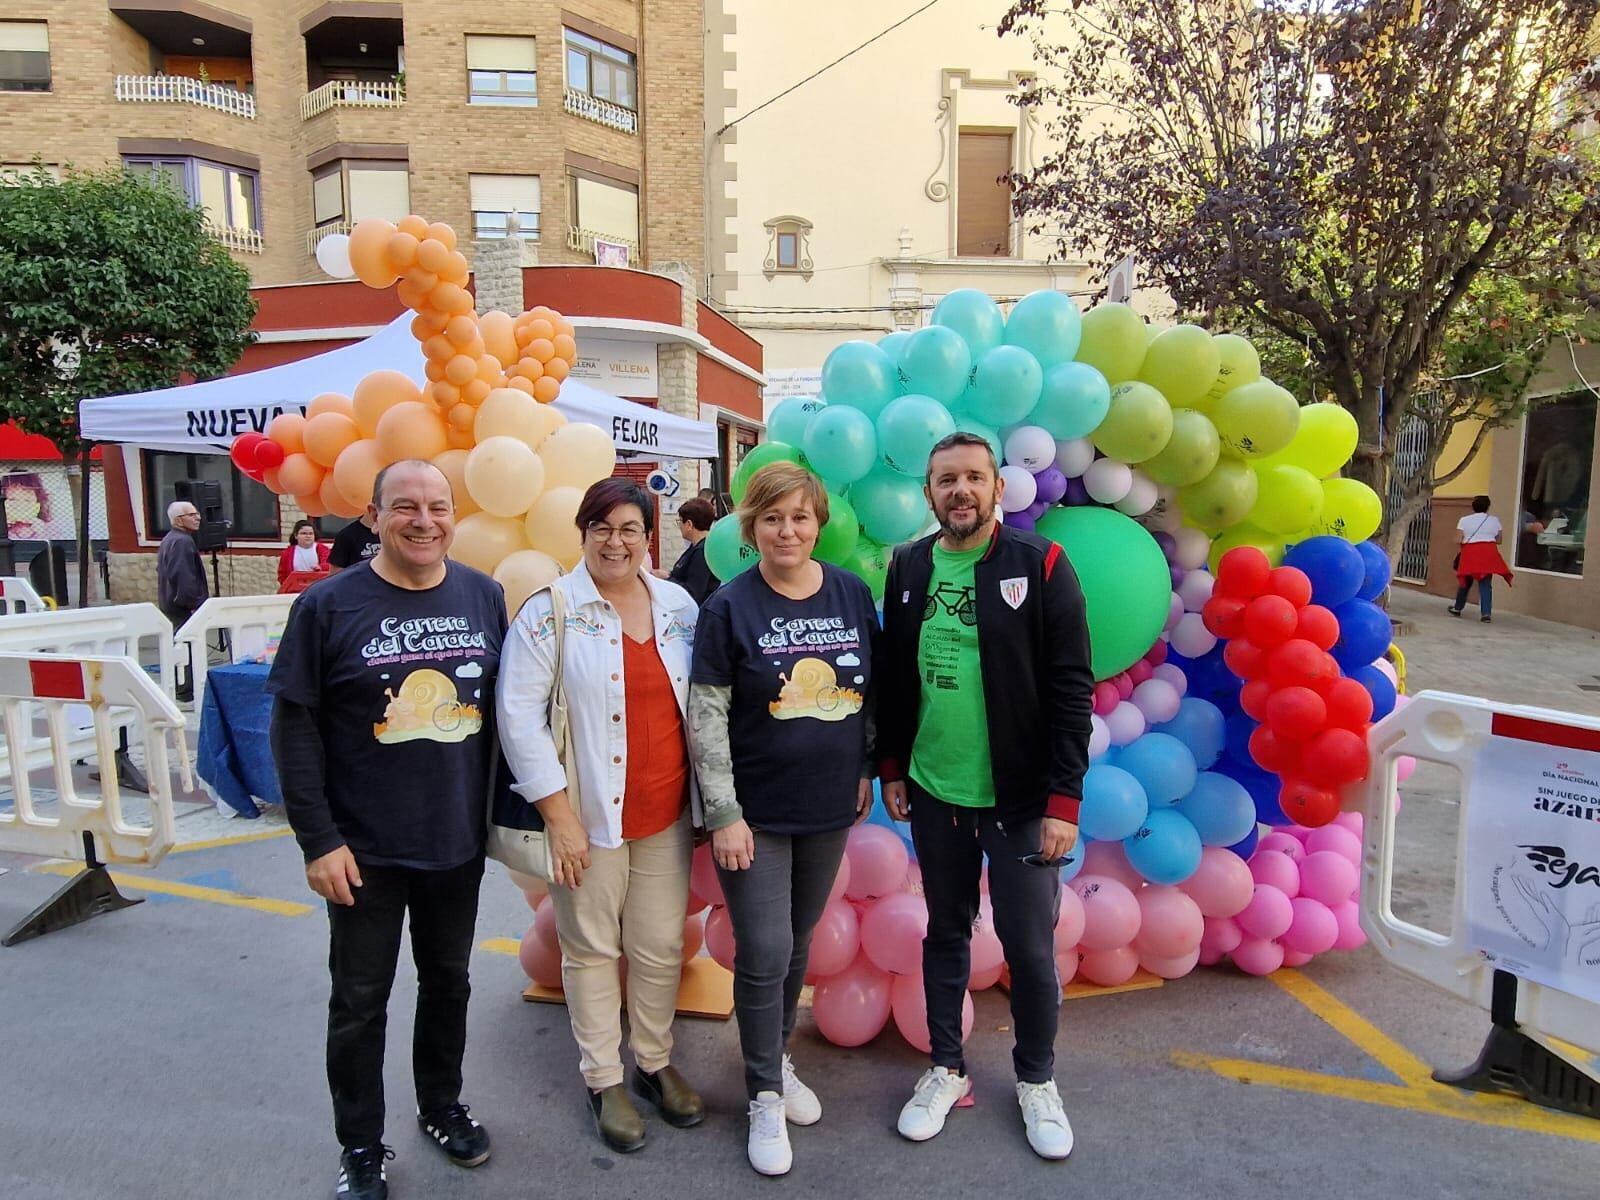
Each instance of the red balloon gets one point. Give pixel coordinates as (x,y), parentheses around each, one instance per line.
(1245,659)
(1306,804)
(1296,663)
(1269,621)
(1157,653)
(1124,686)
(1328,675)
(1318,626)
(243,451)
(1271,753)
(1243,572)
(1224,616)
(1293,584)
(1349,705)
(1253,698)
(1296,714)
(268,455)
(1334,757)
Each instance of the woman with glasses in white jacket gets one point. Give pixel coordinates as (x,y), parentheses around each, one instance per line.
(621,865)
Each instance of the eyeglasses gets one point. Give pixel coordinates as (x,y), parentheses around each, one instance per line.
(630,535)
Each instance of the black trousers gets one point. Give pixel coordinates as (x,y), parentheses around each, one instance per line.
(951,843)
(364,946)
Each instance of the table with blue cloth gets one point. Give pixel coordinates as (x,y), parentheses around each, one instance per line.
(235,754)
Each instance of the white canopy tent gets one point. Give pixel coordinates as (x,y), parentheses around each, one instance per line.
(204,418)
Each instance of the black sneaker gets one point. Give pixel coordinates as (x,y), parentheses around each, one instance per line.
(463,1140)
(361,1173)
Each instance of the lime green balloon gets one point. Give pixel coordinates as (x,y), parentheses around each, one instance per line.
(763,455)
(1113,341)
(1237,364)
(871,562)
(1190,453)
(1288,499)
(727,553)
(837,541)
(1256,419)
(1181,364)
(1323,443)
(1350,509)
(1126,583)
(1246,535)
(1137,426)
(1223,498)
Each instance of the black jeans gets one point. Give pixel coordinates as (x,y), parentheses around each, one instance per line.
(951,844)
(775,904)
(364,946)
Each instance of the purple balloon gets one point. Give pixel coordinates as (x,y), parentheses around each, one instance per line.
(1052,485)
(1075,493)
(1168,543)
(1019,520)
(1177,575)
(1037,509)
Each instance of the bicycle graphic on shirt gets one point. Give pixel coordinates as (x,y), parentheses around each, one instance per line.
(956,601)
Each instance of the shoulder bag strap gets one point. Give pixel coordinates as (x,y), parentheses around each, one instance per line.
(560,726)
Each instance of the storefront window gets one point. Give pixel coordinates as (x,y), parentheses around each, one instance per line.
(1557,459)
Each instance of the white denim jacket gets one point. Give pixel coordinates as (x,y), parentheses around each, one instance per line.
(596,702)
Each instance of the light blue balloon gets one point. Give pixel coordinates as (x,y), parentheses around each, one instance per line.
(1074,400)
(1166,849)
(1162,765)
(1005,387)
(1219,808)
(1048,325)
(968,424)
(910,427)
(1200,726)
(1072,862)
(894,344)
(1113,805)
(935,362)
(975,316)
(841,445)
(889,505)
(859,375)
(790,420)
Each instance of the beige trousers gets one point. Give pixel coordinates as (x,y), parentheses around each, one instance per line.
(631,901)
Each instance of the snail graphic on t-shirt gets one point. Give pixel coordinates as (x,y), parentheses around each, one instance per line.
(810,689)
(426,707)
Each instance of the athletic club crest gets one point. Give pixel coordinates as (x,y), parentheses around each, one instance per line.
(1014,591)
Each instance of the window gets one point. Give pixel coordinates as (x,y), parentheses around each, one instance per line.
(601,70)
(353,190)
(788,247)
(1552,523)
(983,200)
(607,210)
(24,56)
(502,70)
(227,195)
(251,508)
(495,198)
(20,174)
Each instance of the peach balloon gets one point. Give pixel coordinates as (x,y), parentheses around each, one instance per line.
(456,269)
(558,369)
(410,430)
(410,295)
(546,388)
(440,232)
(460,439)
(577,455)
(454,465)
(522,573)
(462,415)
(450,298)
(529,368)
(499,336)
(416,226)
(402,250)
(477,390)
(421,328)
(552,525)
(434,370)
(504,476)
(288,430)
(483,540)
(508,412)
(432,255)
(333,499)
(369,247)
(312,505)
(540,327)
(461,330)
(460,369)
(355,470)
(300,475)
(521,384)
(542,349)
(269,476)
(444,394)
(566,346)
(423,281)
(439,348)
(327,434)
(376,394)
(329,402)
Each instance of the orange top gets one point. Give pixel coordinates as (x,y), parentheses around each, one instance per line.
(658,761)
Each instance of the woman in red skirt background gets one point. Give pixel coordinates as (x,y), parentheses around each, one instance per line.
(1478,534)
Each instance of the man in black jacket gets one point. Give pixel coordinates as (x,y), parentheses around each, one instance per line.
(983,739)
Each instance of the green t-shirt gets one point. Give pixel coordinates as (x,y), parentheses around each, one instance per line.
(950,758)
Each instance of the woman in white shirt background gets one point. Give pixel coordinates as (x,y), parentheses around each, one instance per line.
(1478,534)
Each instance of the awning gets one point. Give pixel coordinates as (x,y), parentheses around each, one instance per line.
(204,418)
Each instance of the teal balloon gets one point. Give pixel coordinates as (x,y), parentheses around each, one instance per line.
(790,420)
(975,316)
(893,344)
(841,445)
(908,429)
(1005,387)
(760,456)
(870,563)
(727,553)
(860,375)
(1126,583)
(988,433)
(891,507)
(1073,401)
(935,362)
(837,541)
(1047,325)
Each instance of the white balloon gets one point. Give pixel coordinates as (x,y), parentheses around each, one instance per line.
(1074,457)
(1196,589)
(1157,700)
(333,256)
(1174,675)
(1099,737)
(1125,723)
(1141,497)
(1194,547)
(1191,638)
(1021,490)
(1031,448)
(1174,613)
(1108,480)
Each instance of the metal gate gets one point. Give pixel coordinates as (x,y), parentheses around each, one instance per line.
(1410,456)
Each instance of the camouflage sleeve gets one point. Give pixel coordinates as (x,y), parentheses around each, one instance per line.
(713,755)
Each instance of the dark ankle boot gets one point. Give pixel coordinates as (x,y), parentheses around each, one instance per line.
(616,1119)
(678,1103)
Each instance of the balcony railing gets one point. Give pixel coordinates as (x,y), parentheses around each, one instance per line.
(350,93)
(246,240)
(592,108)
(178,89)
(314,238)
(583,240)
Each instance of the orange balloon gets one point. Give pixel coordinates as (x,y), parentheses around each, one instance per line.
(435,321)
(376,394)
(439,348)
(453,463)
(433,369)
(459,439)
(445,394)
(312,504)
(285,429)
(474,349)
(421,328)
(328,402)
(369,244)
(557,368)
(440,232)
(269,476)
(521,383)
(410,430)
(462,416)
(461,331)
(416,226)
(566,346)
(477,389)
(402,251)
(529,368)
(455,268)
(432,255)
(499,337)
(460,369)
(451,298)
(546,389)
(540,327)
(300,475)
(541,312)
(565,326)
(333,499)
(542,349)
(423,281)
(326,436)
(488,367)
(357,467)
(410,295)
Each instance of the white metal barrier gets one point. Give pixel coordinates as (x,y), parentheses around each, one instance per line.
(17,596)
(251,622)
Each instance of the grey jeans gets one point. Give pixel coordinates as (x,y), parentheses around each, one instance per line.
(775,904)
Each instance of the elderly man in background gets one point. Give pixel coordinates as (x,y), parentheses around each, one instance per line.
(181,576)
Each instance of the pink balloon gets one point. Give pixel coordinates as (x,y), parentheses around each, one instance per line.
(1156,656)
(1107,858)
(1298,832)
(835,942)
(694,935)
(1138,673)
(1175,967)
(852,1007)
(1106,697)
(983,982)
(1124,685)
(540,963)
(1283,842)
(719,937)
(1258,956)
(1294,958)
(892,933)
(1170,924)
(1110,913)
(1109,968)
(1268,915)
(1222,884)
(1124,723)
(1314,929)
(1210,958)
(987,957)
(878,861)
(841,882)
(1350,820)
(544,924)
(1276,869)
(1404,768)
(703,881)
(1351,935)
(1069,925)
(1172,673)
(695,903)
(910,1007)
(1328,877)
(1337,839)
(1067,966)
(1221,937)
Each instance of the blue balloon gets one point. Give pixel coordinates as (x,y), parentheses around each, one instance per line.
(1245,847)
(1200,726)
(908,429)
(975,316)
(1378,687)
(1114,804)
(893,344)
(1335,568)
(1219,808)
(1239,726)
(1072,862)
(1263,787)
(1006,383)
(1166,849)
(861,375)
(1162,765)
(1074,400)
(935,362)
(840,443)
(790,420)
(1364,634)
(1378,570)
(1210,679)
(1047,325)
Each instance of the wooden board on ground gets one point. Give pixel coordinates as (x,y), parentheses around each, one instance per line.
(706,991)
(1078,990)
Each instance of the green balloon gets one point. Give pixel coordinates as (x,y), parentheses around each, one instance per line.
(1223,498)
(891,506)
(908,428)
(763,455)
(871,562)
(1237,363)
(1350,509)
(975,316)
(841,445)
(861,375)
(1126,583)
(1181,364)
(789,421)
(1323,443)
(727,553)
(1245,535)
(988,433)
(1189,454)
(837,541)
(1256,419)
(1137,426)
(1288,499)
(1113,342)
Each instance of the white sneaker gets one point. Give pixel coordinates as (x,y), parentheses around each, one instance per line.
(768,1146)
(1049,1131)
(800,1103)
(936,1094)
